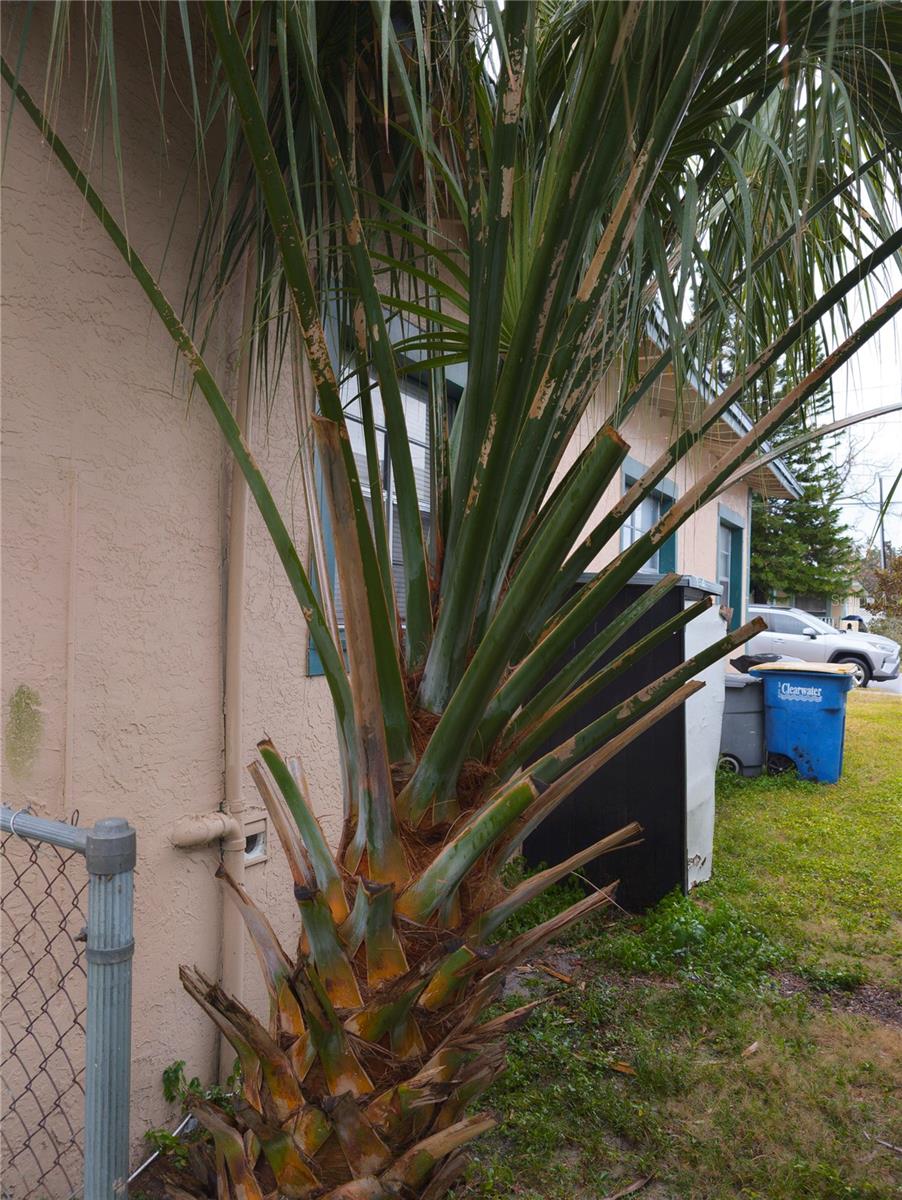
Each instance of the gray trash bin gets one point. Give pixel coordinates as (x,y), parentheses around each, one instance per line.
(742,734)
(742,747)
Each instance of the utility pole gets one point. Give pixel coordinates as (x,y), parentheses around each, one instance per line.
(882,538)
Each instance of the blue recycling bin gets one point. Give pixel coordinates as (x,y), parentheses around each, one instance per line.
(805,716)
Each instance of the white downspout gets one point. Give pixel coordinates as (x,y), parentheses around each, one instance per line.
(233,677)
(227,825)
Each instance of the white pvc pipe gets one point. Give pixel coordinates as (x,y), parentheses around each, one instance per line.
(233,851)
(202,829)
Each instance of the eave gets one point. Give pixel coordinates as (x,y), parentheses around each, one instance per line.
(774,480)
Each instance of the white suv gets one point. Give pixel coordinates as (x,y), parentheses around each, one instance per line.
(796,634)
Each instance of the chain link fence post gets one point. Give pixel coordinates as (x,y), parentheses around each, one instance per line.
(110,859)
(109,851)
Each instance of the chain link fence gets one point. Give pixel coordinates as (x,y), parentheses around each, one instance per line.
(43,896)
(66,971)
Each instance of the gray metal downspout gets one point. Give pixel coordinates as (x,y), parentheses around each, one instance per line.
(110,859)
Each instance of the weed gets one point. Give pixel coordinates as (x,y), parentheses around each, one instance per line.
(543,907)
(177,1088)
(828,978)
(716,952)
(820,1181)
(168,1145)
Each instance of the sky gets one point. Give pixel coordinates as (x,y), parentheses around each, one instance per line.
(873,378)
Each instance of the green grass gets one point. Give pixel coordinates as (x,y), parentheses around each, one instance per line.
(818,866)
(730,1089)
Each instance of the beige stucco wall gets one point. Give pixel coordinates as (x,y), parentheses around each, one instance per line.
(113,534)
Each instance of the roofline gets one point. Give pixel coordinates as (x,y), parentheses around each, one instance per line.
(735,416)
(740,422)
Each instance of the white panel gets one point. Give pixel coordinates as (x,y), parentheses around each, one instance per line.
(704,715)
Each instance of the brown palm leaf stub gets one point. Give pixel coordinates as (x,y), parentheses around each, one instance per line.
(385,987)
(330,1100)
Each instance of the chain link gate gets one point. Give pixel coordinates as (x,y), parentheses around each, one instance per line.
(43,897)
(66,974)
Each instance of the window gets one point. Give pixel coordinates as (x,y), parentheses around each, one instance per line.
(416,413)
(646,515)
(725,561)
(812,603)
(784,623)
(639,521)
(730,566)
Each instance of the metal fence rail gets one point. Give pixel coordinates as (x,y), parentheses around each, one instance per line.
(44,985)
(66,973)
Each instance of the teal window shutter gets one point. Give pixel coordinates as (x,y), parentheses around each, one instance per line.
(730,554)
(668,551)
(314,662)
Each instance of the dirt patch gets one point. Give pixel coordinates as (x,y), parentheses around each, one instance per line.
(868,1000)
(551,966)
(152,1183)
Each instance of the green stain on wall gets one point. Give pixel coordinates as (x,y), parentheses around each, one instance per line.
(22,734)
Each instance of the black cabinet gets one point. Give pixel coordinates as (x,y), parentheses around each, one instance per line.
(646,782)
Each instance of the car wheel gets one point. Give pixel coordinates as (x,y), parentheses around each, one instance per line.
(862,673)
(730,764)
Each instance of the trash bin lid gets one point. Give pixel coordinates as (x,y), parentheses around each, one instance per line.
(799,667)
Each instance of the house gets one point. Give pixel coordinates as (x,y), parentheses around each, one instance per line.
(115,500)
(714,543)
(825,607)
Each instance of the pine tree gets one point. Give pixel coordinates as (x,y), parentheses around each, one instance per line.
(801,545)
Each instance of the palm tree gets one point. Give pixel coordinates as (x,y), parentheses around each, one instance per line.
(524,190)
